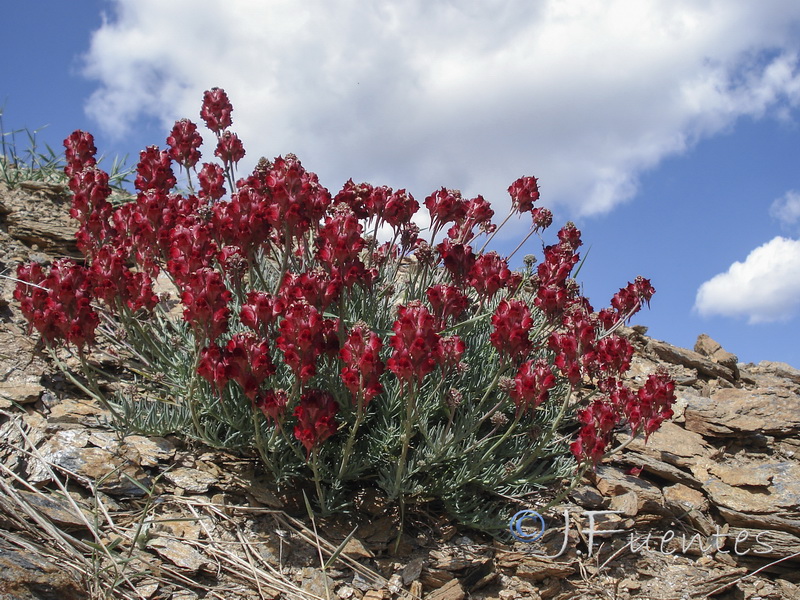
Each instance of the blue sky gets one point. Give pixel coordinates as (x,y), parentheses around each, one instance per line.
(668,130)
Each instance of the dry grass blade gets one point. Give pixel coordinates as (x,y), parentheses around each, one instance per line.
(104,573)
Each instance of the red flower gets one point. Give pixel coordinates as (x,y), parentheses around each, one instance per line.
(216,111)
(273,404)
(154,171)
(445,206)
(415,343)
(250,361)
(79,152)
(229,149)
(452,348)
(458,260)
(399,209)
(524,192)
(532,384)
(114,283)
(317,288)
(205,299)
(212,181)
(261,310)
(512,323)
(303,338)
(448,303)
(183,142)
(363,366)
(214,366)
(316,419)
(57,305)
(489,274)
(478,214)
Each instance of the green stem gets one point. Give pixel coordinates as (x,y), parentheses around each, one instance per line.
(348,449)
(407,430)
(317,483)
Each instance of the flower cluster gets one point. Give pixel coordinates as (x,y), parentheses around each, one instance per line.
(58,305)
(287,290)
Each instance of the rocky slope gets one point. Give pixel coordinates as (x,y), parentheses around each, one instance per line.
(708,507)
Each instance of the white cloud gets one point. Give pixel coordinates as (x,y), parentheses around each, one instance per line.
(423,93)
(787,209)
(763,288)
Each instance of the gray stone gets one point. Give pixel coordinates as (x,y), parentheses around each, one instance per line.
(193,481)
(25,575)
(732,412)
(691,359)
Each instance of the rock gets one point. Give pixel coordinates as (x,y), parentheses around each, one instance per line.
(757,521)
(317,582)
(79,411)
(59,511)
(740,475)
(684,498)
(412,570)
(691,359)
(193,481)
(532,568)
(672,444)
(780,369)
(356,549)
(452,590)
(627,504)
(713,350)
(93,467)
(763,544)
(179,554)
(43,222)
(25,575)
(738,499)
(610,481)
(734,412)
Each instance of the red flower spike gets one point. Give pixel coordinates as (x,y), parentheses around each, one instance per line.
(317,288)
(399,209)
(542,218)
(532,385)
(79,152)
(458,259)
(512,323)
(570,236)
(448,303)
(273,404)
(445,206)
(214,366)
(316,419)
(363,366)
(261,310)
(489,274)
(251,363)
(206,299)
(217,109)
(478,214)
(230,149)
(452,348)
(184,142)
(212,181)
(114,283)
(154,171)
(299,198)
(524,192)
(58,305)
(415,343)
(302,339)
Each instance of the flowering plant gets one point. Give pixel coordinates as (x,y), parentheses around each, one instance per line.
(410,361)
